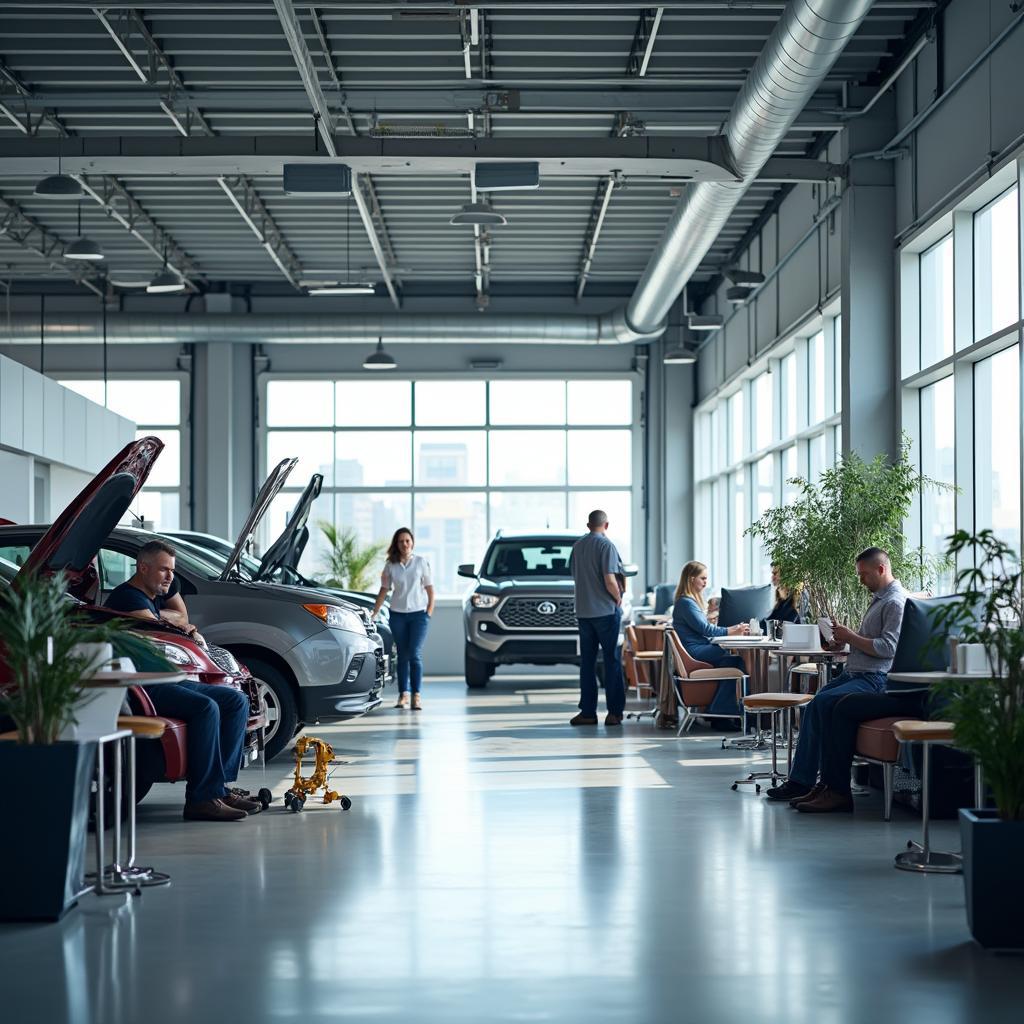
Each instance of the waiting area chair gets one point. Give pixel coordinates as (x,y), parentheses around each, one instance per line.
(642,653)
(695,683)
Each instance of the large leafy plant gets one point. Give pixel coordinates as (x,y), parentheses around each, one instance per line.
(349,564)
(988,714)
(39,628)
(856,504)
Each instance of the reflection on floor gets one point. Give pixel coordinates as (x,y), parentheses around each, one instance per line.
(498,865)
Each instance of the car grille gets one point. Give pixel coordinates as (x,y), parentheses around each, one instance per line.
(524,613)
(222,659)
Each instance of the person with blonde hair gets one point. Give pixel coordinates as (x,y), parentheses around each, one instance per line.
(695,632)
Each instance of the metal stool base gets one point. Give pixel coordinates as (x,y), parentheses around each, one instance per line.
(929,861)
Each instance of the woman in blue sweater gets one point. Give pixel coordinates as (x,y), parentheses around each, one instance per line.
(690,622)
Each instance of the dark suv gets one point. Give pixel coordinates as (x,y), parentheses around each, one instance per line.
(521,611)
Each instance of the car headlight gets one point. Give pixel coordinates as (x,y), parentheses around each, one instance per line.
(178,655)
(484,600)
(335,617)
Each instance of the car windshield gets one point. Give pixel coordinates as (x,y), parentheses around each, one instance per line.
(530,558)
(8,570)
(196,560)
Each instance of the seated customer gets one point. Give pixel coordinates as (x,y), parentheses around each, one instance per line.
(871,654)
(215,716)
(695,632)
(790,605)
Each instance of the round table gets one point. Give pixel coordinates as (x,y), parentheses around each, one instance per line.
(760,647)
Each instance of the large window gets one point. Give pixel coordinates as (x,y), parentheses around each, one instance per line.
(155,407)
(966,384)
(779,422)
(996,266)
(454,460)
(997,445)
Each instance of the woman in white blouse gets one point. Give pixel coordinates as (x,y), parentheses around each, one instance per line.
(407,576)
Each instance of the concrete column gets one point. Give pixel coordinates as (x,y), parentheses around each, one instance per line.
(224,437)
(871,416)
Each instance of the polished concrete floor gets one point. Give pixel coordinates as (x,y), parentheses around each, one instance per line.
(498,865)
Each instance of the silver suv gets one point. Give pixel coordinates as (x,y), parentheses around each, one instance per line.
(521,611)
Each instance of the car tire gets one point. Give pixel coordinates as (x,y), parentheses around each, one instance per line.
(476,672)
(282,713)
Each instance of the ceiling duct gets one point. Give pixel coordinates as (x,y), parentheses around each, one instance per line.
(323,328)
(805,43)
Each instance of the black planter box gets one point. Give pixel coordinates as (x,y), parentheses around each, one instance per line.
(993,853)
(44,815)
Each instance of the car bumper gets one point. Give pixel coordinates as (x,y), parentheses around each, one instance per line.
(349,698)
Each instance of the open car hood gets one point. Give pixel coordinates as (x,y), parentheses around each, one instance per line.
(73,541)
(286,551)
(268,492)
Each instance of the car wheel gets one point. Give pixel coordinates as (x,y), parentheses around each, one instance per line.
(282,714)
(476,672)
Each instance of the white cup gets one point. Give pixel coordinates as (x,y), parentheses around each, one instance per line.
(755,627)
(971,658)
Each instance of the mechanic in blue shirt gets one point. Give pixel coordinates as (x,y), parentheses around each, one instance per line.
(596,570)
(695,633)
(215,716)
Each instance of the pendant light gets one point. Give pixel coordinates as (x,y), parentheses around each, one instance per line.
(379,359)
(348,287)
(482,214)
(82,248)
(58,186)
(166,282)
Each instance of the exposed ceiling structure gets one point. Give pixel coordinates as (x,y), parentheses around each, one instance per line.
(618,101)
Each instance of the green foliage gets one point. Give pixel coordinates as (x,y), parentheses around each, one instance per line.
(349,565)
(989,713)
(45,693)
(855,505)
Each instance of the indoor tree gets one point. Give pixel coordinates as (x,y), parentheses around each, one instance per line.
(348,563)
(856,504)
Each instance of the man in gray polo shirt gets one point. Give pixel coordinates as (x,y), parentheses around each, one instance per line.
(596,566)
(872,649)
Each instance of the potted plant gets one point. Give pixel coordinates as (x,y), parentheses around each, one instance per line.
(45,782)
(815,539)
(988,715)
(348,564)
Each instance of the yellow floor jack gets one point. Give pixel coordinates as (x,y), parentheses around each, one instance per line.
(295,798)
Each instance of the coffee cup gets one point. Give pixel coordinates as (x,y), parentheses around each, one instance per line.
(971,658)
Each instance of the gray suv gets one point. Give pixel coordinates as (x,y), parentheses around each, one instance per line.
(521,611)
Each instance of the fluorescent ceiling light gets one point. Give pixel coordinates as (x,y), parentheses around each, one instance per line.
(342,289)
(704,323)
(165,283)
(379,359)
(58,186)
(680,356)
(83,249)
(506,177)
(478,213)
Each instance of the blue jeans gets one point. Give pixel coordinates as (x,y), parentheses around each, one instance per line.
(725,702)
(815,716)
(215,718)
(603,632)
(410,631)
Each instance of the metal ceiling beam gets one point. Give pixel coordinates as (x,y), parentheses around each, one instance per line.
(637,98)
(130,26)
(247,202)
(415,9)
(593,234)
(332,71)
(643,41)
(18,227)
(688,158)
(362,191)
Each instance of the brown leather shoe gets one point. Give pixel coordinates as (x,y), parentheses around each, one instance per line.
(417,702)
(403,700)
(611,719)
(582,719)
(828,801)
(212,810)
(241,803)
(812,795)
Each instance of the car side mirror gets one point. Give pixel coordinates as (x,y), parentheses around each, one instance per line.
(631,569)
(468,569)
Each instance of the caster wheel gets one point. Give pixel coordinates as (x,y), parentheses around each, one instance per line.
(757,789)
(345,803)
(734,787)
(265,797)
(297,804)
(910,844)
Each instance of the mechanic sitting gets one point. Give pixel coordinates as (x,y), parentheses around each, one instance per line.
(215,716)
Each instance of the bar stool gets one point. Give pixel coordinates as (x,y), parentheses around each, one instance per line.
(802,668)
(129,876)
(641,660)
(773,704)
(920,856)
